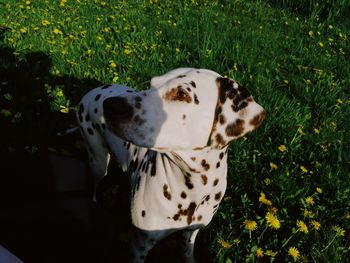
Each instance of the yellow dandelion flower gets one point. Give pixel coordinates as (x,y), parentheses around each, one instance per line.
(308,214)
(282,148)
(115,77)
(311,33)
(59,93)
(64,109)
(273,210)
(316,225)
(57,31)
(317,131)
(272,221)
(127,51)
(319,190)
(28,3)
(273,166)
(303,169)
(340,232)
(267,181)
(224,244)
(264,200)
(285,81)
(235,67)
(320,44)
(330,27)
(309,200)
(23,30)
(259,252)
(294,253)
(45,23)
(250,225)
(177,50)
(112,64)
(302,226)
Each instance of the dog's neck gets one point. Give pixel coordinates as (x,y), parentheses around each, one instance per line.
(200,160)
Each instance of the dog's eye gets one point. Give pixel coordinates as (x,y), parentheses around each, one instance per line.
(181,93)
(178,94)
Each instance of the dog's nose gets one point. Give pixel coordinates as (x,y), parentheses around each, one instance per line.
(258,119)
(117,109)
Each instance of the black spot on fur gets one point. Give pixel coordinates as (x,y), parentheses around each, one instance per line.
(183,195)
(188,182)
(95,110)
(193,84)
(153,164)
(106,86)
(196,101)
(143,213)
(87,117)
(98,96)
(181,76)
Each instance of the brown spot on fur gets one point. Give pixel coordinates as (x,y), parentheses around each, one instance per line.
(222,119)
(204,179)
(205,165)
(258,119)
(218,196)
(217,164)
(199,218)
(191,208)
(221,155)
(167,194)
(216,181)
(235,129)
(220,139)
(193,158)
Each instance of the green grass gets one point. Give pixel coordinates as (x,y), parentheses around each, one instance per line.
(296,64)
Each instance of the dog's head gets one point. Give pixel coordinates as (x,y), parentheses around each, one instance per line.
(184,109)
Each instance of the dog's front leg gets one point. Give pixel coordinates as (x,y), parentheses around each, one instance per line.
(141,243)
(189,237)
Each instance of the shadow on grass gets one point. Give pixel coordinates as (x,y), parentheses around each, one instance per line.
(46,213)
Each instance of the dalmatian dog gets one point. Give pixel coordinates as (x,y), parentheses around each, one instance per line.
(172,140)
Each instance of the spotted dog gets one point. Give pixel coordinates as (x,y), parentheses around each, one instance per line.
(172,140)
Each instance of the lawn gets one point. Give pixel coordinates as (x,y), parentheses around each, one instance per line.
(288,196)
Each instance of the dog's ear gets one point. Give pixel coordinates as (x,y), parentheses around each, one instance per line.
(158,81)
(236,113)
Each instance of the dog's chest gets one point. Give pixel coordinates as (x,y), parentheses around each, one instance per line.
(177,189)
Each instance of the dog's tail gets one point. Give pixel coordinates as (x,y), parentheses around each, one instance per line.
(68,131)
